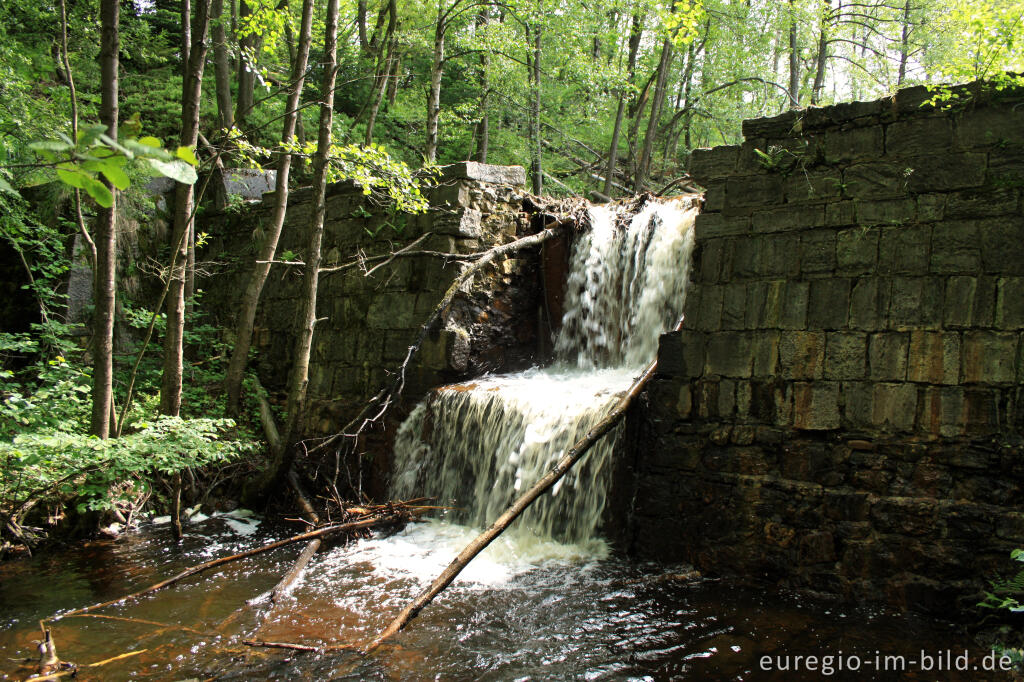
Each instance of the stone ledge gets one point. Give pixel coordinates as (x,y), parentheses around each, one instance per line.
(485,172)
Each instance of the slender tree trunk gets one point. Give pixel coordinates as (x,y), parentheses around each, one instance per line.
(822,60)
(904,44)
(246,69)
(105,275)
(186,35)
(434,93)
(483,126)
(298,382)
(794,57)
(261,269)
(385,63)
(364,43)
(221,64)
(644,167)
(170,386)
(538,167)
(634,46)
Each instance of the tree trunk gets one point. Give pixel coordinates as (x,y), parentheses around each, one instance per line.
(246,70)
(821,62)
(904,44)
(261,269)
(186,35)
(170,385)
(794,57)
(634,46)
(385,64)
(105,276)
(222,65)
(644,167)
(537,161)
(298,382)
(434,93)
(483,126)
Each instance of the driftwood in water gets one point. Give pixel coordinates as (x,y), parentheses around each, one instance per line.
(398,515)
(571,456)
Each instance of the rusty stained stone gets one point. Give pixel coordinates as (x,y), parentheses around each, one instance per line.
(816,405)
(802,354)
(989,357)
(934,357)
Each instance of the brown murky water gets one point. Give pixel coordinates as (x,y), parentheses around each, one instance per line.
(517,618)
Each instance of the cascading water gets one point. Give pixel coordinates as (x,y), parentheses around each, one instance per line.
(478,445)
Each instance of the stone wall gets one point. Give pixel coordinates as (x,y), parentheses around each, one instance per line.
(842,412)
(369,322)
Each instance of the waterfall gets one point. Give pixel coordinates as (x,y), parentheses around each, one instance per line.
(478,445)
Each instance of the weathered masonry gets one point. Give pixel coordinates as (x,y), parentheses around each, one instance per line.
(368,322)
(842,412)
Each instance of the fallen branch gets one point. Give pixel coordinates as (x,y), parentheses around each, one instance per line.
(318,533)
(571,456)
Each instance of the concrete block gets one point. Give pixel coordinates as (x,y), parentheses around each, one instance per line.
(485,172)
(1010,303)
(945,172)
(894,406)
(729,354)
(708,164)
(904,249)
(788,218)
(918,136)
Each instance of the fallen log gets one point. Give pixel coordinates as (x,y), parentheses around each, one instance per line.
(571,456)
(403,515)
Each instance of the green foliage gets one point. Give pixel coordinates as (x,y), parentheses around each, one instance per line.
(1007,593)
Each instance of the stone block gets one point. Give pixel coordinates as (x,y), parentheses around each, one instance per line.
(904,250)
(845,355)
(794,305)
(886,211)
(734,306)
(707,398)
(802,355)
(875,180)
(857,399)
(764,304)
(729,354)
(956,247)
(1006,168)
(931,207)
(840,213)
(1010,303)
(453,194)
(987,127)
(710,260)
(989,357)
(857,250)
(946,172)
(828,304)
(816,405)
(709,225)
(959,301)
(464,224)
(869,303)
(708,304)
(818,251)
(391,311)
(753,190)
(918,136)
(782,125)
(843,146)
(708,164)
(1002,245)
(780,255)
(887,356)
(681,354)
(788,218)
(934,357)
(714,196)
(746,258)
(894,406)
(727,399)
(981,203)
(485,172)
(813,186)
(766,354)
(916,303)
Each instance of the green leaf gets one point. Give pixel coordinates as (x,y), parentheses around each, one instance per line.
(6,187)
(91,133)
(117,177)
(187,155)
(74,178)
(50,146)
(99,192)
(150,141)
(176,170)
